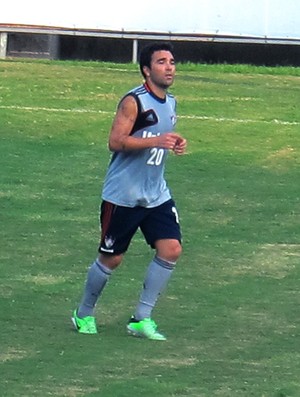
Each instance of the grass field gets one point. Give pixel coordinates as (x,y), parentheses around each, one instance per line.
(232,309)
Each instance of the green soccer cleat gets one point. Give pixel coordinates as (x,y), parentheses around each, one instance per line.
(85,325)
(144,329)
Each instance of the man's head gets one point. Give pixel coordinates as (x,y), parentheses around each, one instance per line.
(157,63)
(147,52)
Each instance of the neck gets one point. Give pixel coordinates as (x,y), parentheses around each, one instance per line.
(160,92)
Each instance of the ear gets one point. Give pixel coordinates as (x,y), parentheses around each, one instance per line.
(146,70)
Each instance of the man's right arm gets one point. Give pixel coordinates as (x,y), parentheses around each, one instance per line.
(120,138)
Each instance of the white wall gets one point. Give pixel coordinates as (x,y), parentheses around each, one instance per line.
(257,18)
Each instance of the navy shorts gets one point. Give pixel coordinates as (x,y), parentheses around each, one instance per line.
(119,224)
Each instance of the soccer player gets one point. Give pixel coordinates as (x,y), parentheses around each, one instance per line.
(135,194)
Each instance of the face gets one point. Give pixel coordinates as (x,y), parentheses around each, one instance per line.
(162,71)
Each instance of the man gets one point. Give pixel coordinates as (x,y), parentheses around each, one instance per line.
(135,194)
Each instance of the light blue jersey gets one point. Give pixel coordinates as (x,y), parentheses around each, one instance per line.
(136,178)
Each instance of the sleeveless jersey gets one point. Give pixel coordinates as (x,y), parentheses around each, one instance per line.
(136,178)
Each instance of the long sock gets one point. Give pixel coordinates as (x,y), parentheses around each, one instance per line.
(157,277)
(97,278)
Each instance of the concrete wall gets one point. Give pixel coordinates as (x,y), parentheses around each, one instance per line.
(120,50)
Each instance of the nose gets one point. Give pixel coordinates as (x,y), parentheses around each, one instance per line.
(170,65)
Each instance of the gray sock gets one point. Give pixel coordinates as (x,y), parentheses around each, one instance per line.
(157,277)
(97,278)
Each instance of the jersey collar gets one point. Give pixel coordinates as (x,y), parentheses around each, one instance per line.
(161,100)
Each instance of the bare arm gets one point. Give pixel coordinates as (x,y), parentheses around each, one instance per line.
(120,139)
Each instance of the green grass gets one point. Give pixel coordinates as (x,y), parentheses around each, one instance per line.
(231,312)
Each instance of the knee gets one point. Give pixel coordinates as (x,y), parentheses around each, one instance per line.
(169,250)
(177,250)
(111,261)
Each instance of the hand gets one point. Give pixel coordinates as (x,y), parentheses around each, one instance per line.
(172,141)
(180,146)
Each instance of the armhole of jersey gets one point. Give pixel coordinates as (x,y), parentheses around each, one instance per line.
(139,108)
(136,100)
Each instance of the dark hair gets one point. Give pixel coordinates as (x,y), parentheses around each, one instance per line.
(148,50)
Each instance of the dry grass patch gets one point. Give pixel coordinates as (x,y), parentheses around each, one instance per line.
(281,159)
(43,279)
(12,354)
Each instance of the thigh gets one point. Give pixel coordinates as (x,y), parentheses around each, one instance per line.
(161,223)
(118,226)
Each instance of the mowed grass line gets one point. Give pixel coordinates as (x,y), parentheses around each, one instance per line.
(231,312)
